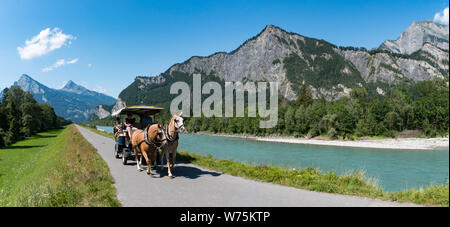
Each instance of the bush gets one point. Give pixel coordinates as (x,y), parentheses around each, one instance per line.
(332,133)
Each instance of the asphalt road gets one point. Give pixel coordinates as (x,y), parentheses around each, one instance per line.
(195,186)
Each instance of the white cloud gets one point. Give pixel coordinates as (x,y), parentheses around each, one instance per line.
(46,41)
(442,17)
(59,63)
(89,65)
(72,61)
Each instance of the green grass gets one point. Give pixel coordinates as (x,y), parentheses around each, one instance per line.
(19,164)
(308,178)
(312,179)
(315,180)
(55,168)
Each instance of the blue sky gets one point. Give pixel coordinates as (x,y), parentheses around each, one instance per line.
(104,45)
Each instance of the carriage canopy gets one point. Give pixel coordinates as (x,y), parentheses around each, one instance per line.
(139,110)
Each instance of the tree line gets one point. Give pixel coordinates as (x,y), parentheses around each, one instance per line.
(423,106)
(21,116)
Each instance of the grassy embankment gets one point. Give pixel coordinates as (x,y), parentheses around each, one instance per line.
(55,168)
(315,180)
(312,179)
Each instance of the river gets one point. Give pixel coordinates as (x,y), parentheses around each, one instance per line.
(396,170)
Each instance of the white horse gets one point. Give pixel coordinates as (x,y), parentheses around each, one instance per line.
(175,126)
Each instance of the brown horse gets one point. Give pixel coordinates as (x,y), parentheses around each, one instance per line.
(175,126)
(146,142)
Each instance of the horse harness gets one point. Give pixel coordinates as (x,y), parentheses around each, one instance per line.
(156,144)
(167,135)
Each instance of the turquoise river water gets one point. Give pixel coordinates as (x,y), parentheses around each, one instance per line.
(396,170)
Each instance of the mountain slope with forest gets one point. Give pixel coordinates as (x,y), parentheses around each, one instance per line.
(326,90)
(293,60)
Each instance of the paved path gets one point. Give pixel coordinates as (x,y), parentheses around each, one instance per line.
(195,186)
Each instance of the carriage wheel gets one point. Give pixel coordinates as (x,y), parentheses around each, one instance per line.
(124,157)
(116,151)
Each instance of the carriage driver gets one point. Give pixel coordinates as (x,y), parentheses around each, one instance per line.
(129,123)
(146,120)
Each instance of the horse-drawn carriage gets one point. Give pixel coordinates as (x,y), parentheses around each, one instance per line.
(123,147)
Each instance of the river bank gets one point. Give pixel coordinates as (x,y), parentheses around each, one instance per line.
(377,143)
(384,143)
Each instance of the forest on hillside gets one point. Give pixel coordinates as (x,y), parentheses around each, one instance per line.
(423,106)
(21,116)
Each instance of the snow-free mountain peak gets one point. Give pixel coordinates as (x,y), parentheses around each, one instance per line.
(415,37)
(29,84)
(72,102)
(295,60)
(75,88)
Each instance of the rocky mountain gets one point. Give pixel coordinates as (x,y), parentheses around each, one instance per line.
(292,60)
(101,111)
(416,35)
(77,89)
(72,102)
(104,111)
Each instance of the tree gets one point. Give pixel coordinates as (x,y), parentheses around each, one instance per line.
(327,123)
(367,126)
(345,112)
(400,102)
(50,120)
(305,98)
(302,120)
(12,117)
(289,120)
(359,94)
(431,106)
(393,121)
(30,119)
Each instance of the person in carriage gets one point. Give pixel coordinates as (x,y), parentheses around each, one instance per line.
(146,120)
(130,121)
(118,127)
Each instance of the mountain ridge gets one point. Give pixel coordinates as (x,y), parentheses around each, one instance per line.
(293,59)
(416,35)
(73,101)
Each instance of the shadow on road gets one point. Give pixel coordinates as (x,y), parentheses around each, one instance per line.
(187,172)
(180,171)
(190,172)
